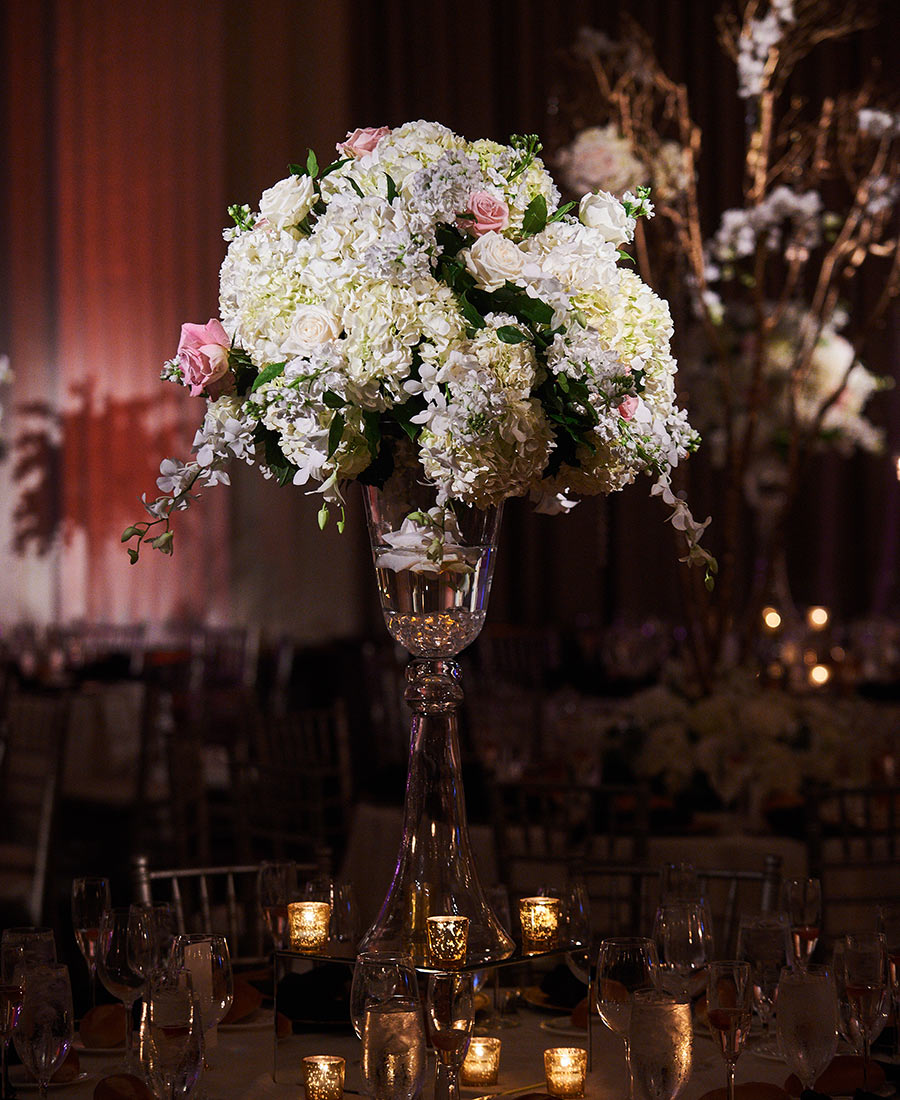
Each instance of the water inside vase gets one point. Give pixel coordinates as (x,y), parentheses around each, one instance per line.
(434,613)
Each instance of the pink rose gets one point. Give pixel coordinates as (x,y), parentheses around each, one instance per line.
(628,407)
(362,141)
(203,356)
(490,214)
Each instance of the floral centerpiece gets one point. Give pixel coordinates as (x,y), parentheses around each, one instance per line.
(773,355)
(427,300)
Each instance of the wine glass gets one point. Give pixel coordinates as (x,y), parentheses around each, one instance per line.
(577,910)
(803,904)
(387,1015)
(865,981)
(121,941)
(12,956)
(729,1004)
(38,944)
(206,957)
(450,1015)
(276,883)
(889,924)
(90,897)
(683,934)
(624,965)
(45,1028)
(660,1036)
(678,882)
(807,1021)
(172,1035)
(764,941)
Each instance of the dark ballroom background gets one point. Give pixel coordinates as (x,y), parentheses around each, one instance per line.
(129,129)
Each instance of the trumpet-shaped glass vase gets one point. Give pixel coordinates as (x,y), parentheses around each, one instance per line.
(434,564)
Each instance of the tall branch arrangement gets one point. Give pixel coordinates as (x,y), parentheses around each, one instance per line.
(773,379)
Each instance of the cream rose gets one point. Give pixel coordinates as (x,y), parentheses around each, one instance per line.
(494,259)
(288,201)
(602,211)
(312,325)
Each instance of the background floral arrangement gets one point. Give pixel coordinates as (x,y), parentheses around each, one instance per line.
(773,357)
(428,296)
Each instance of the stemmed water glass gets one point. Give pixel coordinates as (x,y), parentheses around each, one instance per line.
(660,1036)
(683,935)
(450,1016)
(46,1024)
(803,904)
(206,957)
(865,984)
(12,957)
(122,949)
(172,1035)
(889,925)
(807,1021)
(729,1003)
(387,1016)
(624,965)
(90,898)
(276,883)
(764,941)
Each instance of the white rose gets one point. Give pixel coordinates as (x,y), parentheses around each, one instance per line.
(493,259)
(288,201)
(312,325)
(600,210)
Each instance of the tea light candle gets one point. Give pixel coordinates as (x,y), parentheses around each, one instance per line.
(482,1062)
(308,922)
(540,923)
(565,1069)
(447,940)
(323,1077)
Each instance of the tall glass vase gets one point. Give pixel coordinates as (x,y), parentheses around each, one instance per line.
(433,564)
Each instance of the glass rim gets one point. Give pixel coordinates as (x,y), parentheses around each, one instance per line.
(659,996)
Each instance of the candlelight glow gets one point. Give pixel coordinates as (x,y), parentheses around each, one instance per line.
(819,675)
(565,1069)
(540,923)
(309,921)
(818,617)
(771,618)
(482,1063)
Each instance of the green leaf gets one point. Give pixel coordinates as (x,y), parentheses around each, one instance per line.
(266,375)
(509,334)
(391,189)
(355,186)
(335,164)
(134,555)
(468,310)
(297,169)
(404,413)
(129,533)
(335,433)
(563,210)
(535,217)
(312,165)
(331,400)
(372,431)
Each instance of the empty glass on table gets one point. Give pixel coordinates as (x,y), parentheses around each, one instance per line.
(764,941)
(682,932)
(121,950)
(46,1022)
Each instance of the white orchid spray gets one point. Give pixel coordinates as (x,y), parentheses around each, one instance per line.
(427,290)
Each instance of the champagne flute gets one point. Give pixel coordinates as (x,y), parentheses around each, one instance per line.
(865,975)
(803,904)
(46,1026)
(764,941)
(276,883)
(121,941)
(660,1036)
(172,1035)
(90,897)
(848,1021)
(12,956)
(450,1015)
(683,934)
(729,1003)
(624,965)
(379,976)
(807,1021)
(387,1015)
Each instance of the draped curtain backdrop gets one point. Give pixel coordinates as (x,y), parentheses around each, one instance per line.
(130,128)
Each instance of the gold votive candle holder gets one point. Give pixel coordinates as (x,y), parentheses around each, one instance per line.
(565,1069)
(308,923)
(482,1063)
(448,938)
(323,1077)
(540,919)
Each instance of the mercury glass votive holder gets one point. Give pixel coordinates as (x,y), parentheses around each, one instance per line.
(448,937)
(323,1077)
(482,1063)
(308,923)
(540,918)
(565,1069)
